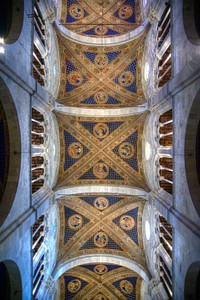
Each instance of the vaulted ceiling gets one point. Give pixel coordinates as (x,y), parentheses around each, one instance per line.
(101,18)
(100,282)
(101,150)
(100,76)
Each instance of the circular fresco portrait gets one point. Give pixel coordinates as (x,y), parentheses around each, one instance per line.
(101,203)
(100,269)
(100,97)
(100,30)
(126,286)
(74,286)
(75,221)
(100,239)
(101,60)
(101,130)
(126,150)
(75,78)
(125,12)
(101,170)
(75,150)
(76,11)
(127,222)
(126,79)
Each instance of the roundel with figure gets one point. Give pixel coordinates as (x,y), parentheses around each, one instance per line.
(74,286)
(126,150)
(126,287)
(75,150)
(101,60)
(101,170)
(100,269)
(126,79)
(75,78)
(75,222)
(101,203)
(101,130)
(127,222)
(125,12)
(100,97)
(100,30)
(76,11)
(100,239)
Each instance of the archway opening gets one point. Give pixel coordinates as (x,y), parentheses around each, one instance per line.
(192,282)
(10,281)
(192,152)
(10,152)
(191,22)
(11,20)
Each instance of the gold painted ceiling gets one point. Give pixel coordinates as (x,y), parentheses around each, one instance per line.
(100,282)
(101,77)
(101,151)
(101,224)
(101,18)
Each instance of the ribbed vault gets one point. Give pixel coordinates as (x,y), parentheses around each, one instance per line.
(101,18)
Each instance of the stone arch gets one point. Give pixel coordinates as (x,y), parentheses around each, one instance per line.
(11,20)
(192,152)
(98,258)
(192,282)
(110,189)
(191,21)
(14,155)
(10,281)
(87,40)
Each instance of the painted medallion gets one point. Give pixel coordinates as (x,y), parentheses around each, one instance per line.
(127,222)
(126,79)
(126,150)
(74,286)
(75,150)
(101,203)
(100,30)
(101,130)
(101,170)
(100,269)
(76,12)
(126,287)
(75,222)
(125,12)
(100,97)
(75,78)
(101,60)
(100,239)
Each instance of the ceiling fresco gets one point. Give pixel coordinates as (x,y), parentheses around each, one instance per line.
(101,151)
(101,18)
(101,224)
(100,282)
(101,77)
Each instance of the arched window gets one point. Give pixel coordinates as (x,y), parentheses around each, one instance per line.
(163,54)
(165,151)
(39,50)
(38,163)
(38,251)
